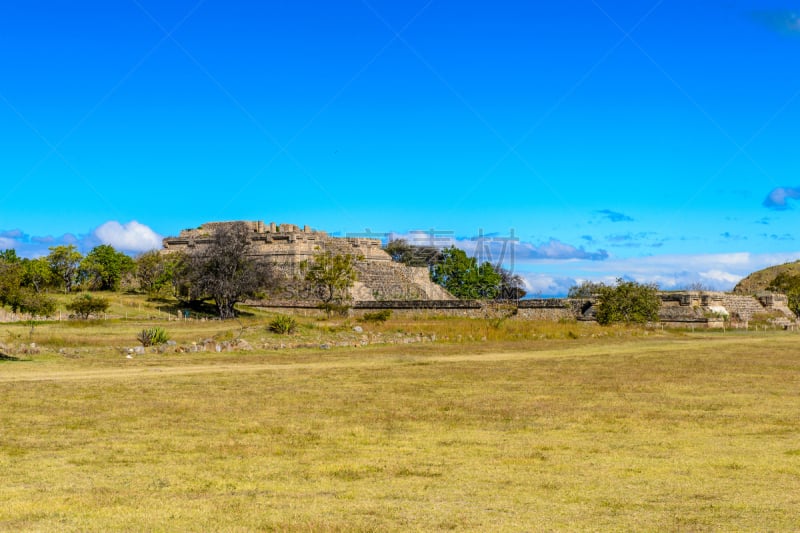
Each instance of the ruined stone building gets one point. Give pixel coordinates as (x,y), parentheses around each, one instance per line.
(287,245)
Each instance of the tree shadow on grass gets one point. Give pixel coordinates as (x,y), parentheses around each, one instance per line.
(5,357)
(195,309)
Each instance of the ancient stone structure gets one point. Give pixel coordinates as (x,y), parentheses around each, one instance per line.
(286,246)
(385,284)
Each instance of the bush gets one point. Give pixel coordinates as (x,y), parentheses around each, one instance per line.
(283,325)
(36,304)
(332,308)
(85,305)
(628,302)
(153,336)
(378,316)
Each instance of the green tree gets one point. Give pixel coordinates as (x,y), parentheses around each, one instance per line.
(36,273)
(64,261)
(628,302)
(788,284)
(155,271)
(86,305)
(587,289)
(464,278)
(10,276)
(413,255)
(103,268)
(9,256)
(36,304)
(225,270)
(330,276)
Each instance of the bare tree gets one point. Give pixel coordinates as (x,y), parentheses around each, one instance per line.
(226,271)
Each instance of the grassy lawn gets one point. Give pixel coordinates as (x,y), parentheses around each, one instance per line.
(594,430)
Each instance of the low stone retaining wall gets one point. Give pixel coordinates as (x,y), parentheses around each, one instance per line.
(680,310)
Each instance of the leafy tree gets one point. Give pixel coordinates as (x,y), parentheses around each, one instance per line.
(463,277)
(330,275)
(225,270)
(34,303)
(37,304)
(587,289)
(413,255)
(9,256)
(156,271)
(64,262)
(628,302)
(36,273)
(788,284)
(10,277)
(103,268)
(86,305)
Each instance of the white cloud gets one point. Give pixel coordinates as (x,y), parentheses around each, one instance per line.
(551,268)
(720,276)
(545,285)
(501,248)
(717,271)
(130,237)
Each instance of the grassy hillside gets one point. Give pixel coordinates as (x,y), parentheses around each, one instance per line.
(759,280)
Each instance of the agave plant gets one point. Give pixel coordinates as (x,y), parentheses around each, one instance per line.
(153,336)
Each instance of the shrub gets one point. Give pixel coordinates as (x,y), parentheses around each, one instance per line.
(85,305)
(35,303)
(332,308)
(153,336)
(283,324)
(378,316)
(628,302)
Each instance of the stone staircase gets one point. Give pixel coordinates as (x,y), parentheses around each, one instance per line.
(394,281)
(742,308)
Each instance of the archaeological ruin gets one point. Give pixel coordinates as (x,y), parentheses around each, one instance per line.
(286,246)
(383,283)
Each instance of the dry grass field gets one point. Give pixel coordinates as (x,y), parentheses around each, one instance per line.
(540,427)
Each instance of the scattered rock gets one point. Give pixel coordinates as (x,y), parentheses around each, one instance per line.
(325,346)
(244,345)
(358,329)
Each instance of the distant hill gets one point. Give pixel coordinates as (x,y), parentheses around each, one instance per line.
(759,280)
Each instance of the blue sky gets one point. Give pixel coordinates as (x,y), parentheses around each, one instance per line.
(655,140)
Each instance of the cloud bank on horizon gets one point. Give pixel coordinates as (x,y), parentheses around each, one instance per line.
(549,267)
(131,237)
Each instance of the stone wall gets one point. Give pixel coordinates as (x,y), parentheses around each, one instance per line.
(678,309)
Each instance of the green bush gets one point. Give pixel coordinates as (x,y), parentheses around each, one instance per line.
(283,324)
(332,308)
(378,316)
(628,302)
(85,305)
(153,336)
